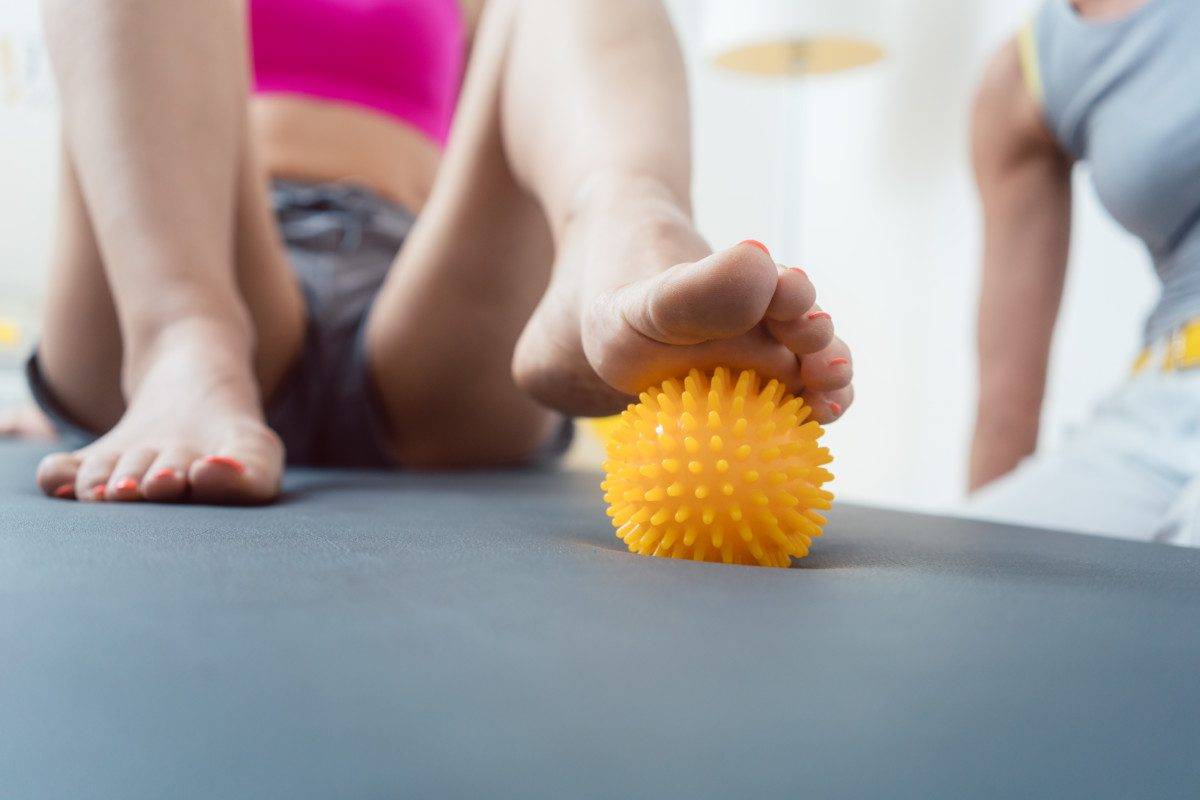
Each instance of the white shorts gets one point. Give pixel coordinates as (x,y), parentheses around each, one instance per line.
(1132,471)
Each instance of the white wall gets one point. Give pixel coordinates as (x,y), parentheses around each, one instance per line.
(888,230)
(28,146)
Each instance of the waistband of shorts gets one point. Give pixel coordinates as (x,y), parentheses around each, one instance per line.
(74,432)
(1177,351)
(342,198)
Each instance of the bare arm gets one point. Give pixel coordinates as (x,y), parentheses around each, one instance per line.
(1025,189)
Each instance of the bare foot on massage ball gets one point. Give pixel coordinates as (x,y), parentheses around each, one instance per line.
(590,348)
(193,431)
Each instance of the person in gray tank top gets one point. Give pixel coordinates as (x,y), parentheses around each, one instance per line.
(1111,83)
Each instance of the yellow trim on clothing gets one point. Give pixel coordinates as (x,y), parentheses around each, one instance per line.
(1142,361)
(1189,347)
(1031,69)
(1180,350)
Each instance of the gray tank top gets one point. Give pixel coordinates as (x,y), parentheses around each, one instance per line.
(1124,95)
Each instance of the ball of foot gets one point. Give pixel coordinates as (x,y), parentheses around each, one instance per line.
(713,469)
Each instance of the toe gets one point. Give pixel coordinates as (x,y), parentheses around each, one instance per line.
(126,479)
(56,474)
(247,470)
(95,469)
(827,369)
(806,333)
(219,479)
(794,296)
(718,297)
(830,406)
(224,479)
(166,479)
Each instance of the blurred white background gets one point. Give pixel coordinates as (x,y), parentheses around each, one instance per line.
(887,227)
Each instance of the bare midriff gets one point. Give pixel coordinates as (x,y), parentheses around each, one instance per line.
(305,139)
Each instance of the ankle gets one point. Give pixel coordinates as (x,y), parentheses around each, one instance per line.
(175,306)
(215,350)
(612,190)
(624,229)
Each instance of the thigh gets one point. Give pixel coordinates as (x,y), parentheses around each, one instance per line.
(441,334)
(265,276)
(1096,490)
(1116,476)
(80,349)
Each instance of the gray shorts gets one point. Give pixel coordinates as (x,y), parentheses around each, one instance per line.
(342,241)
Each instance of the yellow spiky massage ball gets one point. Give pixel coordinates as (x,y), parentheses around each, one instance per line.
(713,470)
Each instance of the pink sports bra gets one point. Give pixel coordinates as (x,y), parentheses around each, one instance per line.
(401,57)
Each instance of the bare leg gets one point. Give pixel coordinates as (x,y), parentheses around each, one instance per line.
(442,332)
(172,309)
(637,294)
(80,351)
(570,150)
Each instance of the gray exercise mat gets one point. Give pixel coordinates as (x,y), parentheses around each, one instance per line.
(382,636)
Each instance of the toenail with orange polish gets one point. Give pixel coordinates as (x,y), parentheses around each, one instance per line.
(226,461)
(756,243)
(65,491)
(837,362)
(835,408)
(797,269)
(163,474)
(98,492)
(126,485)
(819,315)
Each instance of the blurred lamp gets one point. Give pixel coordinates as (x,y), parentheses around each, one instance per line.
(793,37)
(786,40)
(10,334)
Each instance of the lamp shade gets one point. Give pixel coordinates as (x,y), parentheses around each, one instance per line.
(792,37)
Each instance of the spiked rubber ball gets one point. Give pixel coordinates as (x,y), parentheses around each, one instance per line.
(713,469)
